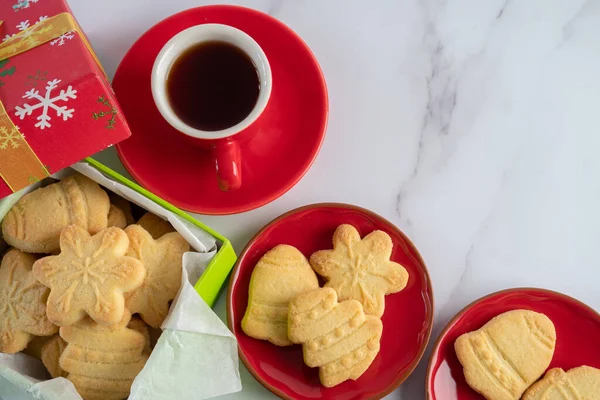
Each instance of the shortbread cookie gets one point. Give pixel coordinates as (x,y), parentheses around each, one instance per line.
(50,356)
(361,269)
(505,356)
(278,277)
(35,222)
(155,225)
(581,383)
(22,303)
(102,361)
(163,261)
(116,217)
(336,337)
(140,326)
(123,205)
(89,276)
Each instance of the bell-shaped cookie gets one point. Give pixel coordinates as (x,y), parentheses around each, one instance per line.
(278,277)
(35,222)
(509,353)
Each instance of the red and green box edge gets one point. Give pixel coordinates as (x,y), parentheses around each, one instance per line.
(215,276)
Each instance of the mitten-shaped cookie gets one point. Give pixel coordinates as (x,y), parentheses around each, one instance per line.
(279,276)
(581,383)
(89,277)
(505,356)
(22,303)
(361,269)
(336,337)
(35,222)
(163,261)
(102,361)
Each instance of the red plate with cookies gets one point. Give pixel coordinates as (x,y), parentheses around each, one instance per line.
(336,287)
(561,331)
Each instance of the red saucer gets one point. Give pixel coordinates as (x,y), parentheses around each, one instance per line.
(577,332)
(407,320)
(292,128)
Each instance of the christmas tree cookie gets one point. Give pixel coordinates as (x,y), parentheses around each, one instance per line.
(336,337)
(102,361)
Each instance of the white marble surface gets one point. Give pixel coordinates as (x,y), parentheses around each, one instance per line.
(473,125)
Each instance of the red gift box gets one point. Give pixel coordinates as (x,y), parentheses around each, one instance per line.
(58,104)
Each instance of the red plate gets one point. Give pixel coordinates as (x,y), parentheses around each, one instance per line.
(407,320)
(291,130)
(577,332)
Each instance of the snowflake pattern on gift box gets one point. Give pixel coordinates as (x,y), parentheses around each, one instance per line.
(25,26)
(12,138)
(23,4)
(46,103)
(59,41)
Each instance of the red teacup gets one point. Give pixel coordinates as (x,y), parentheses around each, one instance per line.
(224,144)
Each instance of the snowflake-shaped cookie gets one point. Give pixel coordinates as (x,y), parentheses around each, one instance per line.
(89,276)
(163,261)
(361,269)
(22,303)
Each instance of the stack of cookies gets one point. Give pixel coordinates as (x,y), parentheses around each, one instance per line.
(338,325)
(82,285)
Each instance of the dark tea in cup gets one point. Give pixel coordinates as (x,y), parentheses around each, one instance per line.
(213,85)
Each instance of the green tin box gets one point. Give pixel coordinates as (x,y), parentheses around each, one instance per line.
(193,339)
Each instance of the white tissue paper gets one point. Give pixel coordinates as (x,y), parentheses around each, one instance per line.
(196,355)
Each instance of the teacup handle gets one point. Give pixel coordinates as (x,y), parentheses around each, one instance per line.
(227,159)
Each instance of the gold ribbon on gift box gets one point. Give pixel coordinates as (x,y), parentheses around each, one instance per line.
(19,165)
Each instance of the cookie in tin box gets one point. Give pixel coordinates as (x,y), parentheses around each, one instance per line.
(163,259)
(102,361)
(35,222)
(90,276)
(22,303)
